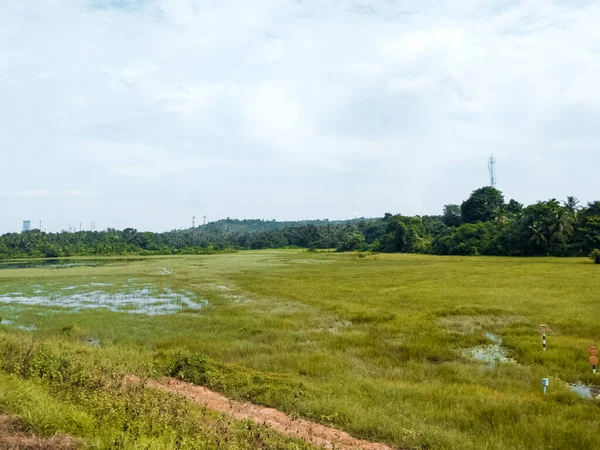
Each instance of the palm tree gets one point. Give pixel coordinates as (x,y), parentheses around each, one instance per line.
(538,237)
(500,216)
(562,228)
(572,205)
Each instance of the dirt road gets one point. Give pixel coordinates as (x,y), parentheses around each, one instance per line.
(315,433)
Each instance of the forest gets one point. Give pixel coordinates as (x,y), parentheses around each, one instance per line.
(484,224)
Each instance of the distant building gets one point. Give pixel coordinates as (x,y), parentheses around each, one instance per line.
(26,225)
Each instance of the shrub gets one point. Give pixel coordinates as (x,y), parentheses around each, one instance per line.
(595,255)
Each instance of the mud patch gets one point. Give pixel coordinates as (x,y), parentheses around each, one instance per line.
(312,432)
(14,436)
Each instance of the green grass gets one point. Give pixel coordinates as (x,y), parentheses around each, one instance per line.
(368,344)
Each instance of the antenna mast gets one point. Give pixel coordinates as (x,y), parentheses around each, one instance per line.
(193,221)
(492,170)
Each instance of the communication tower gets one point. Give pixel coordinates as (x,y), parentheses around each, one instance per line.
(492,170)
(204,220)
(193,221)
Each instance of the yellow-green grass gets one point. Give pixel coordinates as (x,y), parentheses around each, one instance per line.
(74,391)
(369,344)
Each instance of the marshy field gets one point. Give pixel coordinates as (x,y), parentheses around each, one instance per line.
(411,351)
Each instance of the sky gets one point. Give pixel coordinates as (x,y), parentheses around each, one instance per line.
(144,113)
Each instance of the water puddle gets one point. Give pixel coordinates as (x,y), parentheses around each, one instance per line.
(590,392)
(141,301)
(492,353)
(5,322)
(27,327)
(93,342)
(63,263)
(493,337)
(165,271)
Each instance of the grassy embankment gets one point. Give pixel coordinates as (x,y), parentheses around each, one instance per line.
(371,345)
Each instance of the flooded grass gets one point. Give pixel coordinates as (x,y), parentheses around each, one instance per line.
(143,298)
(141,301)
(62,263)
(491,354)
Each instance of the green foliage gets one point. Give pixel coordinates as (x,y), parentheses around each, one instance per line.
(544,228)
(595,256)
(351,241)
(482,205)
(514,207)
(452,216)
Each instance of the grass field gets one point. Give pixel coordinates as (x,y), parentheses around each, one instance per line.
(383,346)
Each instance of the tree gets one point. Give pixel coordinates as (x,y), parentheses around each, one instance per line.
(562,228)
(548,227)
(571,205)
(538,237)
(500,217)
(514,207)
(482,205)
(452,216)
(351,241)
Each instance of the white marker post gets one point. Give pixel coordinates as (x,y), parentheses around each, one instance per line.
(545,383)
(543,329)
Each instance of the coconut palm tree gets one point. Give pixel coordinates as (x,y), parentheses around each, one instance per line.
(538,236)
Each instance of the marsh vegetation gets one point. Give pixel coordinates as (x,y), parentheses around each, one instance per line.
(385,346)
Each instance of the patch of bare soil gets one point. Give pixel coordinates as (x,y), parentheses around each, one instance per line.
(312,432)
(13,436)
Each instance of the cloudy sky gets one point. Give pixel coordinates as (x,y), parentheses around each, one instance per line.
(144,113)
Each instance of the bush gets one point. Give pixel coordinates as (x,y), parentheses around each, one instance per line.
(595,255)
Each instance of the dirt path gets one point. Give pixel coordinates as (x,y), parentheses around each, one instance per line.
(312,432)
(13,437)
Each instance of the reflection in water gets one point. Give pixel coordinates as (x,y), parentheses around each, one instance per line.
(586,391)
(63,263)
(141,301)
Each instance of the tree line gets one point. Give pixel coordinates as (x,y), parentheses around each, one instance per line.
(484,224)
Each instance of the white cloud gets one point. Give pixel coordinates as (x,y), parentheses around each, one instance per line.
(410,97)
(41,193)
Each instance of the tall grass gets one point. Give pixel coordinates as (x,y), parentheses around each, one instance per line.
(71,391)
